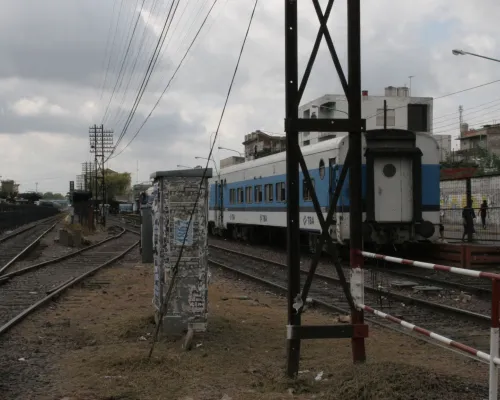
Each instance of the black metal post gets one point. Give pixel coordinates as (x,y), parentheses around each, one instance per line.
(355,148)
(292,180)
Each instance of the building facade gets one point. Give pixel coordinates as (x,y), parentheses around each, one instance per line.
(444,142)
(403,112)
(487,137)
(259,144)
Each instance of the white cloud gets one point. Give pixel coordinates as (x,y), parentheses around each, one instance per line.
(399,38)
(27,107)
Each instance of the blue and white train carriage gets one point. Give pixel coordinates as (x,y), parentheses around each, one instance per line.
(400,191)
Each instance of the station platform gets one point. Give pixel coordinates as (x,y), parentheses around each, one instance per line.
(488,236)
(460,254)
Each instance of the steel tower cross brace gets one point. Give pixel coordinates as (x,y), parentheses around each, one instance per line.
(355,125)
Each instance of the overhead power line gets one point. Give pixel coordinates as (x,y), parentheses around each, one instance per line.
(175,269)
(170,81)
(147,76)
(440,97)
(111,48)
(124,59)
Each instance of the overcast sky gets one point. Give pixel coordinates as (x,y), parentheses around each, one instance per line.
(56,53)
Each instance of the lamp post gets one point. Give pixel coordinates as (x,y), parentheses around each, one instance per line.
(457,52)
(225,148)
(210,159)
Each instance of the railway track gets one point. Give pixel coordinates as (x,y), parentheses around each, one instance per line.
(25,290)
(461,325)
(479,287)
(17,244)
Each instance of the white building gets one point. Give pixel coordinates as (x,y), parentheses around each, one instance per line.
(403,112)
(444,142)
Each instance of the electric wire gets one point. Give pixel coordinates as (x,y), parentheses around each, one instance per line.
(439,97)
(146,78)
(123,61)
(136,59)
(175,269)
(107,48)
(111,49)
(168,84)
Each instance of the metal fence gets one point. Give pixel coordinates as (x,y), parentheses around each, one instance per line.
(455,195)
(14,215)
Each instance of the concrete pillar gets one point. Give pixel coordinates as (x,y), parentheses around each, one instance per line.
(146,234)
(176,194)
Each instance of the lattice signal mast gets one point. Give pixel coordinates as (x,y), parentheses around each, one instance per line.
(87,173)
(101,144)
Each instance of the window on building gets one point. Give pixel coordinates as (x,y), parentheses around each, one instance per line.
(240,195)
(391,117)
(305,191)
(280,191)
(268,192)
(248,195)
(417,117)
(307,142)
(232,196)
(258,194)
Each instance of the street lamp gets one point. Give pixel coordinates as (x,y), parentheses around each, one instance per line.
(209,159)
(458,52)
(183,166)
(225,148)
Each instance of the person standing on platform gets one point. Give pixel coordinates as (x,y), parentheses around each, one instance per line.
(468,216)
(483,212)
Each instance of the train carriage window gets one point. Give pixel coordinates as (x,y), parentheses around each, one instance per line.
(248,195)
(305,191)
(240,195)
(280,191)
(258,193)
(268,190)
(232,196)
(321,169)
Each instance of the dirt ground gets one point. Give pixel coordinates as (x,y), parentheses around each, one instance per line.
(93,344)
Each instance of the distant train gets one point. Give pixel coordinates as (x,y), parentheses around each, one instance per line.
(400,192)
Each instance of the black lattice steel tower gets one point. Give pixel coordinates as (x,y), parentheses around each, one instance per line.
(87,172)
(355,125)
(101,144)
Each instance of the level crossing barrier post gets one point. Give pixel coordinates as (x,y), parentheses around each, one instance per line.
(493,356)
(494,337)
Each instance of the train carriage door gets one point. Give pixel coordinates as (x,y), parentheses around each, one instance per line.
(393,187)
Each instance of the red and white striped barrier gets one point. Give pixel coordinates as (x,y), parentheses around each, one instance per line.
(437,267)
(480,354)
(492,358)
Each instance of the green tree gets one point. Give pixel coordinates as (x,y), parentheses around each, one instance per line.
(485,161)
(52,196)
(117,184)
(30,196)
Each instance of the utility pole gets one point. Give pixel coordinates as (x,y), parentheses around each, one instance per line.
(355,125)
(137,176)
(101,144)
(36,185)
